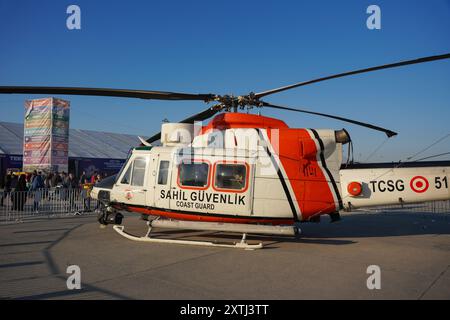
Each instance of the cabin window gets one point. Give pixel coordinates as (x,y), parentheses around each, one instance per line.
(137,178)
(163,172)
(126,176)
(230,176)
(194,174)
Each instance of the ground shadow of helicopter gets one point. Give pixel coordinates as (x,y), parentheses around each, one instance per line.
(351,227)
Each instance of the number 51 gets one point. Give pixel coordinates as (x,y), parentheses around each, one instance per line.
(438,182)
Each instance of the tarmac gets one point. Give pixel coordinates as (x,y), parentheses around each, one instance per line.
(328,261)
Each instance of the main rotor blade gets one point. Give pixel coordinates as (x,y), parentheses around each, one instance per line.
(389,133)
(205,114)
(141,94)
(344,74)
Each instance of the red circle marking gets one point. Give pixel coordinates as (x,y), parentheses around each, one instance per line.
(354,188)
(417,184)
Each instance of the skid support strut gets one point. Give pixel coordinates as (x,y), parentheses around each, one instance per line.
(148,238)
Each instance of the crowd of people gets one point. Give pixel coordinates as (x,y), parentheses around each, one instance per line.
(54,185)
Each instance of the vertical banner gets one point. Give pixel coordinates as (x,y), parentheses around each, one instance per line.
(37,135)
(46,135)
(60,135)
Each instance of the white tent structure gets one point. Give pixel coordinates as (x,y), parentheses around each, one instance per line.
(84,145)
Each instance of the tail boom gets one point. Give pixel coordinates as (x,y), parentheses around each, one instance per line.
(386,184)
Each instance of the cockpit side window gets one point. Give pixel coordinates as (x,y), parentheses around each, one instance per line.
(138,175)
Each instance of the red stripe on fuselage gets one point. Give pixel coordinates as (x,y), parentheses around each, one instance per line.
(207,218)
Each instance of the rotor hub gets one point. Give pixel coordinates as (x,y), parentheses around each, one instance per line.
(231,102)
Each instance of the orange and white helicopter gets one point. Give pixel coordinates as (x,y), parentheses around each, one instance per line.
(250,174)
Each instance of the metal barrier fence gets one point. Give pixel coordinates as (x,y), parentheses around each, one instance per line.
(426,207)
(16,206)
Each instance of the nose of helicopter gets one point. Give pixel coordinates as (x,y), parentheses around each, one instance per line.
(101,190)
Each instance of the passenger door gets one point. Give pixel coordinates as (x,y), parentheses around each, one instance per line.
(162,181)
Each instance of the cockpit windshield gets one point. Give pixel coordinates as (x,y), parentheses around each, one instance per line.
(124,164)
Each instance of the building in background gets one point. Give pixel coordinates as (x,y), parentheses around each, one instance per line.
(88,150)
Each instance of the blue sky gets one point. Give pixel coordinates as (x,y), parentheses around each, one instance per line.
(231,46)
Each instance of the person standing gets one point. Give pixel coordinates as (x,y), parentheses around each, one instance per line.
(63,186)
(20,193)
(94,177)
(86,195)
(64,178)
(6,187)
(56,179)
(29,179)
(48,185)
(83,178)
(72,188)
(37,186)
(48,180)
(97,179)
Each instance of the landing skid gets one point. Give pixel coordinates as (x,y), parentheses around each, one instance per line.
(147,238)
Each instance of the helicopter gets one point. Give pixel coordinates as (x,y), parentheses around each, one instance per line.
(247,173)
